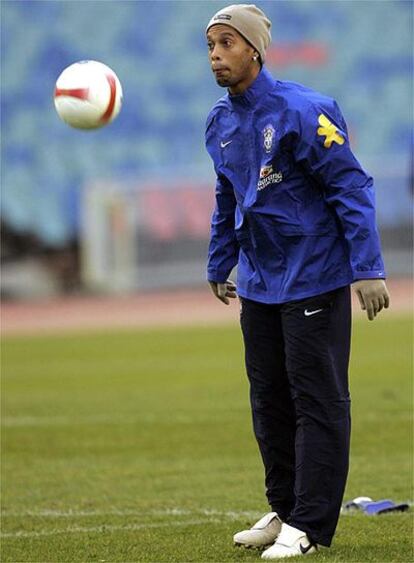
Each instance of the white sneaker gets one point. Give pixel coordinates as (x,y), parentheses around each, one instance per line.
(262,534)
(290,542)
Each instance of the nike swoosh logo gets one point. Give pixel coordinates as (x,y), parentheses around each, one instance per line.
(225,144)
(310,313)
(305,549)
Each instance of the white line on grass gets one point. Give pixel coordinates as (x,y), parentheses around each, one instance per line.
(212,517)
(105,528)
(97,419)
(61,420)
(74,513)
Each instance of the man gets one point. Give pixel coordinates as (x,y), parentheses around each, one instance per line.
(295,211)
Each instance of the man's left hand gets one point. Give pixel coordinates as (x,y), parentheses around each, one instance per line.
(373,296)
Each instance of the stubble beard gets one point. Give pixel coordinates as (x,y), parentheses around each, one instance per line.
(226,81)
(223,82)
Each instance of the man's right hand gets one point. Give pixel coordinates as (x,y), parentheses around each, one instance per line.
(224,290)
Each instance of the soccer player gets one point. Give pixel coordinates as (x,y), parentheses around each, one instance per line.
(295,212)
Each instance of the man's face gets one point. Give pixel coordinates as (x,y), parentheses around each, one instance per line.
(231,58)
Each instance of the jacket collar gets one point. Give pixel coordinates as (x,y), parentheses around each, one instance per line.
(264,83)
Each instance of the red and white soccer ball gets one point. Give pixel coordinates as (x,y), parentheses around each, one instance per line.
(88,95)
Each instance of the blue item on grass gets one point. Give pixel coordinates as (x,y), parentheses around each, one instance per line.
(371,507)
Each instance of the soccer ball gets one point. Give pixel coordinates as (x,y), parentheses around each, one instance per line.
(88,95)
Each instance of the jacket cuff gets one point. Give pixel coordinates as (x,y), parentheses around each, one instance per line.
(370,275)
(217,276)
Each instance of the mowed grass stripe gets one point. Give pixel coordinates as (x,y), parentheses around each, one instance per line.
(123,428)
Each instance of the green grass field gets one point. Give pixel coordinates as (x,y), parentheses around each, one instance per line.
(137,446)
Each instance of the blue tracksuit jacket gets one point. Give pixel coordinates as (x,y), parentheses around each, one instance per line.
(294,209)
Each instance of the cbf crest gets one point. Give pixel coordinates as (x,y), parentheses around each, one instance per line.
(268,138)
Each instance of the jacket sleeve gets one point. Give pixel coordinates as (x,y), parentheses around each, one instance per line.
(322,147)
(224,249)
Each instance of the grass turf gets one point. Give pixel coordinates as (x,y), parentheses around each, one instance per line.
(137,446)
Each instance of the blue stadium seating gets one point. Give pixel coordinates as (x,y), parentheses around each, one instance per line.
(158,51)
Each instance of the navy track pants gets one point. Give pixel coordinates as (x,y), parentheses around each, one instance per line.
(297,357)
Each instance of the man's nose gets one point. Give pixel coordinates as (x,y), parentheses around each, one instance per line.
(215,54)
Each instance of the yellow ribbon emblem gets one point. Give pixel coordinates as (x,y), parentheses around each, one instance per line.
(329,131)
